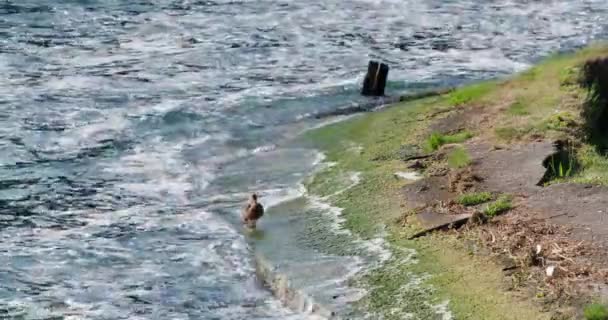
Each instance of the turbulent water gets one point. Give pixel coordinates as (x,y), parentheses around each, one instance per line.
(132,131)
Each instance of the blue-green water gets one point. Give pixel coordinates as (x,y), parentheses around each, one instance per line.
(132,131)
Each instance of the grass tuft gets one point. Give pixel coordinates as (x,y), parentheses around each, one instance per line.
(470,93)
(569,76)
(509,134)
(502,204)
(593,166)
(596,311)
(472,199)
(518,109)
(560,121)
(436,140)
(459,158)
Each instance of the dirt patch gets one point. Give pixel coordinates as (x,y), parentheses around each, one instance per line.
(453,123)
(477,117)
(463,180)
(426,192)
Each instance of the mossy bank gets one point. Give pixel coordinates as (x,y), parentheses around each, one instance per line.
(435,276)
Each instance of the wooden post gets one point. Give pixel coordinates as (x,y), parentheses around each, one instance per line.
(375,79)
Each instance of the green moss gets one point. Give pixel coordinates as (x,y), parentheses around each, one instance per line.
(596,311)
(560,121)
(502,204)
(475,198)
(436,140)
(459,158)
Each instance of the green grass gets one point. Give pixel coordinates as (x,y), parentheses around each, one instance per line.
(593,166)
(560,121)
(436,139)
(518,108)
(596,311)
(470,93)
(502,204)
(569,76)
(535,96)
(562,165)
(509,134)
(475,198)
(459,158)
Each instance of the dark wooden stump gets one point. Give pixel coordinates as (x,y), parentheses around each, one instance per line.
(375,79)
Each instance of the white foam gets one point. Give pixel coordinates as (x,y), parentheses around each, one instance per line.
(354,177)
(75,82)
(411,175)
(443,309)
(334,212)
(266,148)
(89,135)
(319,158)
(330,121)
(376,246)
(274,197)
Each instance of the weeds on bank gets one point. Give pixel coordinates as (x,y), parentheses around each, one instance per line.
(436,140)
(518,109)
(593,166)
(561,169)
(509,134)
(560,121)
(470,93)
(596,311)
(473,199)
(459,158)
(502,204)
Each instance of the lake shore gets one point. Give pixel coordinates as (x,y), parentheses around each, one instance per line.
(474,152)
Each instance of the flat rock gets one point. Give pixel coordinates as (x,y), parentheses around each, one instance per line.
(577,205)
(411,152)
(514,170)
(430,221)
